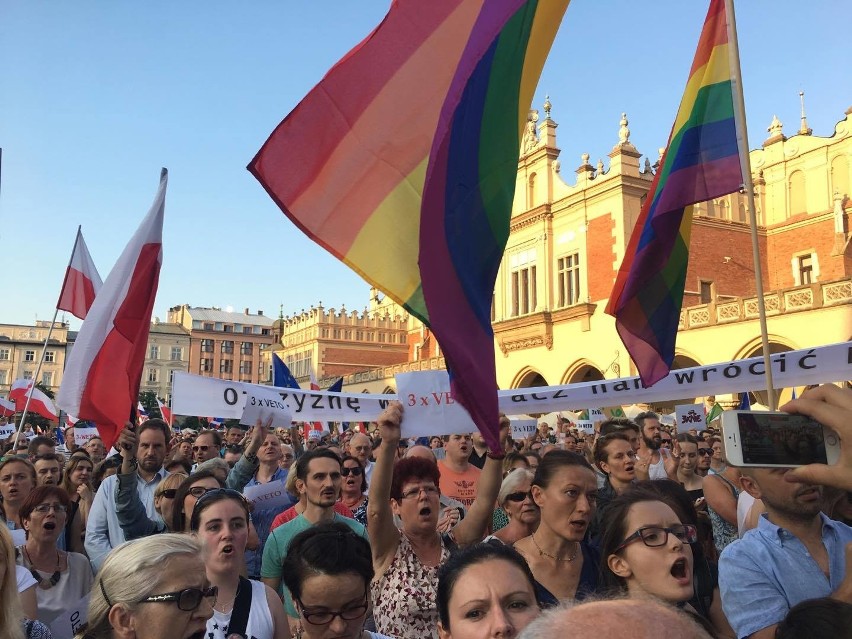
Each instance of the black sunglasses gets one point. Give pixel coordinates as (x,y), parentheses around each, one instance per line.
(168,493)
(519,496)
(705,451)
(357,472)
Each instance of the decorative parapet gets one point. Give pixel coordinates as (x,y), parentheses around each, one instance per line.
(792,300)
(387,372)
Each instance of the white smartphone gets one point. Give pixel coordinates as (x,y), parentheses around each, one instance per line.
(765,439)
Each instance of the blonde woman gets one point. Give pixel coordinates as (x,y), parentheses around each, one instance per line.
(13,624)
(151,588)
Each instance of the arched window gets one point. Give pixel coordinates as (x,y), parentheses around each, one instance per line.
(798,193)
(531,192)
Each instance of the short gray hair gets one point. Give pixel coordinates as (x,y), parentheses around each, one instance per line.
(512,481)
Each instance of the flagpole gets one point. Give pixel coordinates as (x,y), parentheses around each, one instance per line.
(748,185)
(44,347)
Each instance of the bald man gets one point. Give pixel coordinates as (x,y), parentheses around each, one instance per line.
(360,447)
(608,619)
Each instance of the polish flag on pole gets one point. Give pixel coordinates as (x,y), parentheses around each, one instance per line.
(165,411)
(40,403)
(315,426)
(104,370)
(7,408)
(82,281)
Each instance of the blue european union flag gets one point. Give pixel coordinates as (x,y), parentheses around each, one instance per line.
(281,375)
(337,387)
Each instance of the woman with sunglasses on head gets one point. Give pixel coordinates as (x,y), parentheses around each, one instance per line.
(564,565)
(328,570)
(63,577)
(77,482)
(406,560)
(151,588)
(220,520)
(485,590)
(354,487)
(131,514)
(516,502)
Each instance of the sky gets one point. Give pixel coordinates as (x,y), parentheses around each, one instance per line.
(96,96)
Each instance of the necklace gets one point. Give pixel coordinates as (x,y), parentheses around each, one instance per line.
(541,552)
(224,609)
(54,578)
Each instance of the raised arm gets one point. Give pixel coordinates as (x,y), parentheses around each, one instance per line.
(384,537)
(473,527)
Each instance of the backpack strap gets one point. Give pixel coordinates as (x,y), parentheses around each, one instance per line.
(242,608)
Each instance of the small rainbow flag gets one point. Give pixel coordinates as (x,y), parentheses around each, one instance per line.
(402,161)
(701,162)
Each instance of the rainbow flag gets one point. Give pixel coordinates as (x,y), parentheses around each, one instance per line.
(701,162)
(402,161)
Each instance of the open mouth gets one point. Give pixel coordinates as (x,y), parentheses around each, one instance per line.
(680,570)
(579,524)
(49,525)
(425,511)
(629,468)
(227,550)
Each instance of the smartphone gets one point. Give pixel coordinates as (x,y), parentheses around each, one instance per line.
(765,439)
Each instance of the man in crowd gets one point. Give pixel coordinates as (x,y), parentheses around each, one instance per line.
(206,446)
(234,435)
(95,448)
(48,469)
(705,457)
(458,476)
(659,464)
(145,470)
(477,454)
(795,553)
(232,454)
(360,447)
(287,456)
(40,446)
(70,443)
(318,478)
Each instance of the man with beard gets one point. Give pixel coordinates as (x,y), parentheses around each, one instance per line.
(705,457)
(658,464)
(145,470)
(795,553)
(318,478)
(458,476)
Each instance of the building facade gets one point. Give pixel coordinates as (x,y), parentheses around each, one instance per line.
(168,351)
(224,344)
(20,351)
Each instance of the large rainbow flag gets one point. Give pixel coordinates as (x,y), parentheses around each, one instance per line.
(402,161)
(701,162)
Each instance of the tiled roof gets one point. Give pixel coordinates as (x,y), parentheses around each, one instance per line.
(213,315)
(172,329)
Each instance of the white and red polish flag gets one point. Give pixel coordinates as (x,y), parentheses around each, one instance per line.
(315,426)
(7,407)
(40,403)
(82,281)
(104,370)
(165,411)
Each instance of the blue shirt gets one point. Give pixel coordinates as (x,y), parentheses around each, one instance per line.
(103,530)
(768,571)
(262,520)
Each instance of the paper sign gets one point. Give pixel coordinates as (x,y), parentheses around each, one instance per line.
(586,425)
(7,430)
(522,428)
(261,404)
(67,624)
(429,405)
(82,434)
(596,415)
(271,495)
(689,416)
(315,435)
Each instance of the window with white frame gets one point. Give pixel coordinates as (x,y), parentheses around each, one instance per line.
(50,357)
(29,356)
(154,352)
(47,378)
(568,279)
(522,283)
(177,353)
(5,354)
(4,378)
(153,375)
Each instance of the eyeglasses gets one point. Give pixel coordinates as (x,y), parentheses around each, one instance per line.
(168,493)
(705,451)
(656,536)
(666,441)
(199,491)
(346,471)
(187,600)
(202,449)
(46,508)
(415,492)
(325,617)
(518,496)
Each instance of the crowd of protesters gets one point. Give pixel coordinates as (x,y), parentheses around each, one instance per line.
(634,530)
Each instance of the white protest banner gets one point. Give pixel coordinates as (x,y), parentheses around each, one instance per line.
(689,416)
(429,405)
(261,404)
(82,434)
(586,425)
(596,415)
(196,395)
(7,430)
(68,623)
(268,496)
(522,428)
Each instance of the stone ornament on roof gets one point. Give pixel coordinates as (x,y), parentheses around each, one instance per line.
(624,135)
(530,140)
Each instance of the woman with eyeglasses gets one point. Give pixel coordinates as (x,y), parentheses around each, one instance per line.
(353,490)
(516,502)
(151,588)
(17,480)
(406,560)
(485,590)
(616,459)
(220,520)
(328,570)
(77,482)
(187,494)
(63,577)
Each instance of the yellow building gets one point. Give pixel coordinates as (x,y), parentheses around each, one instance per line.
(20,351)
(168,351)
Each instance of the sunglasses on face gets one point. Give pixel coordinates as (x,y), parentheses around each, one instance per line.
(356,472)
(518,496)
(196,449)
(169,493)
(705,451)
(187,600)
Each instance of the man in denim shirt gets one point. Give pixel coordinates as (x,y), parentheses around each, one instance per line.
(795,553)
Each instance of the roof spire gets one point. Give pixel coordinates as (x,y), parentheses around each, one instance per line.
(804,129)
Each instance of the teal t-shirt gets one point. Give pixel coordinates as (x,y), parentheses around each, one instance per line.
(275,549)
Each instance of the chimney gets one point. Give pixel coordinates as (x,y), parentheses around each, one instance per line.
(247,310)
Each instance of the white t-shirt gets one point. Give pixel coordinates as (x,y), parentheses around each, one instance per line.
(25,578)
(658,470)
(259,625)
